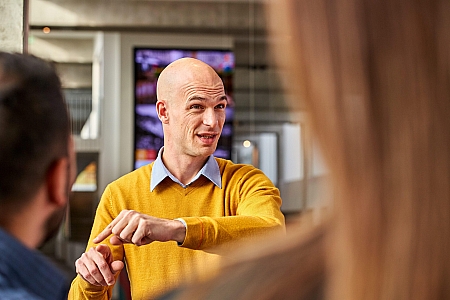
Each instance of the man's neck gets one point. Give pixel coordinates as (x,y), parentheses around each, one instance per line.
(25,231)
(28,224)
(183,167)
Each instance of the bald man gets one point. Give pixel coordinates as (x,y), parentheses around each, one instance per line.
(166,219)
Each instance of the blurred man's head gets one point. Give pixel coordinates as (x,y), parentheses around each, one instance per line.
(35,141)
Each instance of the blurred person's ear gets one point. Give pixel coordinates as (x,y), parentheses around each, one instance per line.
(58,181)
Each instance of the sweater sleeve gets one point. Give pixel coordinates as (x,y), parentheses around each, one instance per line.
(252,209)
(81,289)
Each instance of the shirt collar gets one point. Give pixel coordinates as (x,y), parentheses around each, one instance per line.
(159,171)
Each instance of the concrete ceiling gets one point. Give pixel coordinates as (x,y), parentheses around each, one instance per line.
(74,22)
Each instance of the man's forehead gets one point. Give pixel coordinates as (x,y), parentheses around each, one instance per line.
(187,77)
(201,84)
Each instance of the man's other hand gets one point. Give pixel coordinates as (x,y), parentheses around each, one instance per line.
(97,266)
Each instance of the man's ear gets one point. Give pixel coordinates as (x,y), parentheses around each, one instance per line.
(161,110)
(58,182)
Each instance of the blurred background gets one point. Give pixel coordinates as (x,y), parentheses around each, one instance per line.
(109,54)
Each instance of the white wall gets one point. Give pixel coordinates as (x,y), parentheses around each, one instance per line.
(11,25)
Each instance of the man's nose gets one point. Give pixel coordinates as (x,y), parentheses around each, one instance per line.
(210,118)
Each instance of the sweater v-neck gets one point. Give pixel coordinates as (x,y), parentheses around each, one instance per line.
(184,191)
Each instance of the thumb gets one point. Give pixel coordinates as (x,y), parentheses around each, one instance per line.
(117,266)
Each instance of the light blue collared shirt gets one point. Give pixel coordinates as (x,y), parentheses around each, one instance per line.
(210,170)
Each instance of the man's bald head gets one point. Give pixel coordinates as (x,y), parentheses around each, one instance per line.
(182,72)
(191,106)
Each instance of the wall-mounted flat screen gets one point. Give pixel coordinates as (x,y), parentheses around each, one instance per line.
(148,64)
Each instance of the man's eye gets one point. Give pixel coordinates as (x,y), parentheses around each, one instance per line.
(220,106)
(196,106)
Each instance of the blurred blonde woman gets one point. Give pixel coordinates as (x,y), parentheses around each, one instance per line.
(375,75)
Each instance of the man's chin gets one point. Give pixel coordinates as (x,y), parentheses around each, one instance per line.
(207,151)
(53,224)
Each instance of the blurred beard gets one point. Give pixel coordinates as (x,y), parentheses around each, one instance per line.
(55,220)
(54,223)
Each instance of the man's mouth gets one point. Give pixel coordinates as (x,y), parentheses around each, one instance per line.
(207,136)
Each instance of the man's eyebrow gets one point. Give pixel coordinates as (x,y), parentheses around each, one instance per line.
(199,98)
(196,98)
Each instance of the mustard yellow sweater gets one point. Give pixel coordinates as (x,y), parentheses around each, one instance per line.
(247,205)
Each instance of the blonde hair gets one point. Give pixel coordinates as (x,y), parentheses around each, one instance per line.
(375,76)
(376,79)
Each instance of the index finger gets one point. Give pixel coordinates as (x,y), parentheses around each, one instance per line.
(108,230)
(103,235)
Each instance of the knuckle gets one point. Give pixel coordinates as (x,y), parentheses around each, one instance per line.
(93,272)
(103,266)
(81,259)
(78,262)
(88,277)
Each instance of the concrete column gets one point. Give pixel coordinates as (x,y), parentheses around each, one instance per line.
(11,25)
